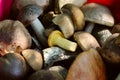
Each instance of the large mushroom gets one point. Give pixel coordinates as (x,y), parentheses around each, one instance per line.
(29,15)
(88,65)
(13,36)
(96,13)
(60,3)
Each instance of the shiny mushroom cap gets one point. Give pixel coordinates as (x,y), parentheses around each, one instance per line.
(30,13)
(97,13)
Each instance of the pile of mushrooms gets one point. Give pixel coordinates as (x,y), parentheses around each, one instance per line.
(59,40)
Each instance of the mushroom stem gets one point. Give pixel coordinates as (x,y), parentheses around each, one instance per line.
(58,39)
(89,27)
(66,44)
(39,30)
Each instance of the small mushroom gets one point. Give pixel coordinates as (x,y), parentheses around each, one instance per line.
(60,3)
(63,71)
(88,65)
(33,58)
(85,40)
(46,75)
(116,28)
(76,15)
(110,51)
(57,38)
(13,36)
(55,54)
(29,15)
(96,13)
(13,67)
(103,35)
(65,24)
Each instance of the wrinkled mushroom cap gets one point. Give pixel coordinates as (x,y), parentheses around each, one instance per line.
(97,13)
(29,13)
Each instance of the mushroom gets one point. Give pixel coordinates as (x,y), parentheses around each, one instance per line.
(63,71)
(29,15)
(46,75)
(101,34)
(33,58)
(13,36)
(55,54)
(60,3)
(118,77)
(110,51)
(19,4)
(65,24)
(57,38)
(85,40)
(76,15)
(88,65)
(13,67)
(116,28)
(96,13)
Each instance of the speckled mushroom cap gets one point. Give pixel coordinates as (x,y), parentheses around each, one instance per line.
(30,13)
(98,14)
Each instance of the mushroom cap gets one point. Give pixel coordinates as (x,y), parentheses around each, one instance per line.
(76,14)
(60,3)
(97,13)
(86,40)
(33,58)
(29,13)
(65,24)
(13,35)
(110,51)
(53,36)
(88,65)
(116,28)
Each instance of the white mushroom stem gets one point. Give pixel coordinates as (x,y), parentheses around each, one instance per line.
(89,27)
(39,30)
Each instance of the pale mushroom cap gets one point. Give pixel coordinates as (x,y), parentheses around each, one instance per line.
(30,13)
(60,3)
(86,40)
(97,13)
(34,58)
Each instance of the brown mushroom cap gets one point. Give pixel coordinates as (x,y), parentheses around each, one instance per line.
(97,13)
(29,13)
(76,14)
(88,65)
(34,58)
(116,28)
(110,51)
(13,67)
(86,40)
(13,34)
